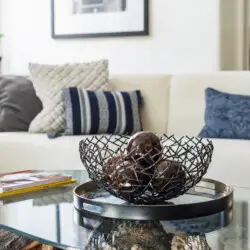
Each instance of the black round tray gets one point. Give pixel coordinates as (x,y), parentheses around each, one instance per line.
(206,198)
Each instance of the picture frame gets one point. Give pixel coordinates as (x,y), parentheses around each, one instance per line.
(99,18)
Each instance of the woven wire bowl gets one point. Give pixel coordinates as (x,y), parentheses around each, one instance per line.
(190,156)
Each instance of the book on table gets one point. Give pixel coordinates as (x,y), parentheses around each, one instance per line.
(31,180)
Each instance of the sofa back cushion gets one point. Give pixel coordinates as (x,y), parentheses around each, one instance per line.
(187,98)
(155,92)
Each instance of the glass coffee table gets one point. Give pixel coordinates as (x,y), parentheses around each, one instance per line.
(50,218)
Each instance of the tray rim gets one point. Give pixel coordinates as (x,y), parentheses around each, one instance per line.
(210,207)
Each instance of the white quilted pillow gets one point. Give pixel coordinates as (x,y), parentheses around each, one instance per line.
(49,80)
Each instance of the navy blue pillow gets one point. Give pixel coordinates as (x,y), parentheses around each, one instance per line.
(226,115)
(101,112)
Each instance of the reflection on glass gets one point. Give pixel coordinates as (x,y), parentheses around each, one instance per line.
(130,234)
(143,236)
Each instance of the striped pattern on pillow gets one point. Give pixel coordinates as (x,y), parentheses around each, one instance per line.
(101,112)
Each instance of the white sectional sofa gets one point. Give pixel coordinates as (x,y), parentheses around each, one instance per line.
(172,105)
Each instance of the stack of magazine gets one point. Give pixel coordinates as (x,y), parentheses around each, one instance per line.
(31,180)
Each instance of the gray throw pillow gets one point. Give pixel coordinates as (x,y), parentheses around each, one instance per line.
(18,103)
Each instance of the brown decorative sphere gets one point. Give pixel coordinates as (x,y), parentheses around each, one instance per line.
(169,176)
(145,148)
(128,177)
(111,163)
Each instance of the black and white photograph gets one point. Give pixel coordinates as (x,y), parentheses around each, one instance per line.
(99,18)
(97,6)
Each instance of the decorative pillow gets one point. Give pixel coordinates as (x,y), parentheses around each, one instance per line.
(49,80)
(226,115)
(18,103)
(100,112)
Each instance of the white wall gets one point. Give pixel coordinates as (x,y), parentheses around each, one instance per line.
(185,37)
(0,24)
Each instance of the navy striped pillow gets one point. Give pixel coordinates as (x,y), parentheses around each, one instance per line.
(101,112)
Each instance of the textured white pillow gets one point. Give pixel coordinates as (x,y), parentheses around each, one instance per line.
(49,80)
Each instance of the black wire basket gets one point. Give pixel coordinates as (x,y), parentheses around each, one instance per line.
(150,178)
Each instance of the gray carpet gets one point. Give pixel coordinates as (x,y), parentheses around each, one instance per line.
(11,241)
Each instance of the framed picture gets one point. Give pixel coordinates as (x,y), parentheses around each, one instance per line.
(99,18)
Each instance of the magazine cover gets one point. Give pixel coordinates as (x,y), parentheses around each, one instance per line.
(29,178)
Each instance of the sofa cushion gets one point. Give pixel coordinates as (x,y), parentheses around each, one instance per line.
(23,150)
(230,162)
(101,112)
(187,97)
(49,80)
(155,92)
(18,103)
(226,115)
